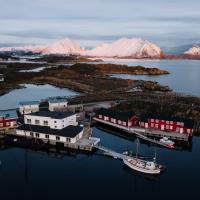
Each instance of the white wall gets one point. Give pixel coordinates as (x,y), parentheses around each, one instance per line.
(52,123)
(54,106)
(27,109)
(51,137)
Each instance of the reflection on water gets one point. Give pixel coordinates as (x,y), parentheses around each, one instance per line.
(32,92)
(41,175)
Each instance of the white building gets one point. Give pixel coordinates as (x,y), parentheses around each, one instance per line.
(29,107)
(57,104)
(1,78)
(54,120)
(57,127)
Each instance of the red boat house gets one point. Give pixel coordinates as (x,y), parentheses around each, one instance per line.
(125,119)
(169,124)
(8,119)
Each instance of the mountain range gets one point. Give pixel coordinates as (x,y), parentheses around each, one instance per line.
(122,48)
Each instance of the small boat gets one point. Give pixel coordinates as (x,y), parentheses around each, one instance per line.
(168,142)
(144,166)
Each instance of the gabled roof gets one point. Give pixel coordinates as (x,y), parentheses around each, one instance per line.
(189,123)
(25,103)
(69,131)
(123,116)
(52,114)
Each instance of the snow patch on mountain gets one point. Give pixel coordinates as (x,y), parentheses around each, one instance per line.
(193,51)
(135,48)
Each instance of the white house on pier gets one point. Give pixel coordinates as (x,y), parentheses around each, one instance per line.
(57,127)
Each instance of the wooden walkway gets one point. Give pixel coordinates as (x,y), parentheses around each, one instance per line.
(112,153)
(136,133)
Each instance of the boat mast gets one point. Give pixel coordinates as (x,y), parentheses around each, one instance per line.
(154,159)
(137,147)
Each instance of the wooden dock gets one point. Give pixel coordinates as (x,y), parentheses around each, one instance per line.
(142,133)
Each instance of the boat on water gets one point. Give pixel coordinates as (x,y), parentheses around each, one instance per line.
(144,166)
(168,142)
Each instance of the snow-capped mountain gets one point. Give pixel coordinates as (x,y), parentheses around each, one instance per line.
(135,48)
(193,51)
(65,47)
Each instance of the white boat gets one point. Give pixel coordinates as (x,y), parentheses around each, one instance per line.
(144,166)
(147,167)
(168,142)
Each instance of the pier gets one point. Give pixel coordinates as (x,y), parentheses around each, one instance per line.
(112,153)
(142,134)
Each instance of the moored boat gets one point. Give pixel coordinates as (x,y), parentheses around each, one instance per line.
(144,166)
(168,142)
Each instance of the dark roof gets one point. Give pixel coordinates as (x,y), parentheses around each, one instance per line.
(25,103)
(189,123)
(123,116)
(54,115)
(70,131)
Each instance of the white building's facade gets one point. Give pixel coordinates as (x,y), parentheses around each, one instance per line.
(1,78)
(57,104)
(59,127)
(49,136)
(50,121)
(29,107)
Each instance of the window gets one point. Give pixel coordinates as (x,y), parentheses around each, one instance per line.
(7,123)
(188,131)
(157,121)
(55,121)
(167,122)
(55,126)
(152,120)
(29,121)
(124,123)
(37,122)
(141,123)
(171,122)
(177,129)
(156,125)
(31,134)
(167,126)
(68,140)
(119,121)
(37,135)
(171,127)
(1,124)
(100,116)
(47,136)
(152,125)
(45,123)
(57,138)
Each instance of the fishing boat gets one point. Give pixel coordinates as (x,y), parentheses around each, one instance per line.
(168,142)
(144,166)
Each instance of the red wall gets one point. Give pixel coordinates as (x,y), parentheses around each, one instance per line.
(175,125)
(4,121)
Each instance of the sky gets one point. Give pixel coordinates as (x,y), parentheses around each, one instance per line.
(167,23)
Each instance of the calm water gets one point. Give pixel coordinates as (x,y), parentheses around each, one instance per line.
(184,77)
(32,92)
(36,175)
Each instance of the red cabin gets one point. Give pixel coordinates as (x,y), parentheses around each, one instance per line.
(163,123)
(8,119)
(125,119)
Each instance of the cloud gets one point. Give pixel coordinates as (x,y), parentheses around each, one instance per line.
(91,22)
